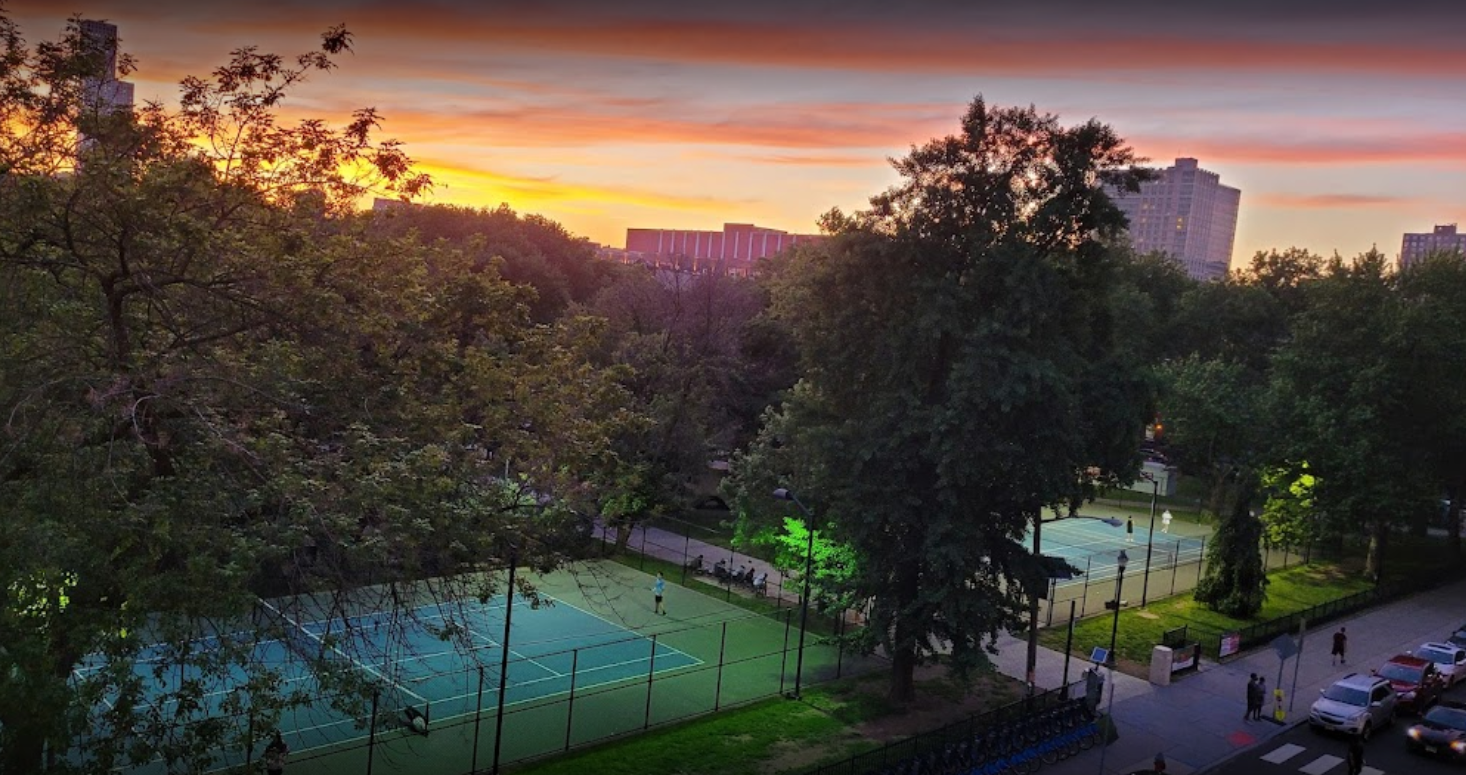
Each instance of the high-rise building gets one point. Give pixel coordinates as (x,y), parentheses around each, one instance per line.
(1187,213)
(103,92)
(730,251)
(1443,240)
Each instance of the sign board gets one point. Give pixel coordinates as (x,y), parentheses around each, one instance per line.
(1231,644)
(1100,655)
(1187,657)
(1285,646)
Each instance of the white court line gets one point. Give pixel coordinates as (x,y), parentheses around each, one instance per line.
(1284,753)
(624,629)
(1320,765)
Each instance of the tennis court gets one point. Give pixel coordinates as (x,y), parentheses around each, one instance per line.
(1094,547)
(404,657)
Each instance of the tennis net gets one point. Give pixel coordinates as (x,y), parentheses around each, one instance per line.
(316,650)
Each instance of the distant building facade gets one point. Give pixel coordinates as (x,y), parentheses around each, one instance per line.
(1444,239)
(103,92)
(1186,213)
(730,251)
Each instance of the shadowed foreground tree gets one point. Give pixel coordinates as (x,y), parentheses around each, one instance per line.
(213,387)
(946,338)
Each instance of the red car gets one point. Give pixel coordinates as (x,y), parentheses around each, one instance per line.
(1415,681)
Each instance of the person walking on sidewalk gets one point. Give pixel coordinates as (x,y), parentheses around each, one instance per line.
(1254,698)
(1355,759)
(1261,698)
(659,589)
(1341,644)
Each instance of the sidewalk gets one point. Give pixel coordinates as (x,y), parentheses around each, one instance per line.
(1197,720)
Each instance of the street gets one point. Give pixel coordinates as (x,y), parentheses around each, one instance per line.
(1300,750)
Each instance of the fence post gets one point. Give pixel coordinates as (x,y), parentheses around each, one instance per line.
(570,712)
(686,548)
(478,715)
(1175,564)
(784,657)
(651,672)
(722,650)
(1088,561)
(1201,562)
(372,734)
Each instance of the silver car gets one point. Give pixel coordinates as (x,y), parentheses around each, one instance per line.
(1449,659)
(1354,705)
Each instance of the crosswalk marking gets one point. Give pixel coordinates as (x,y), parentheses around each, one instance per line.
(1320,765)
(1371,771)
(1283,753)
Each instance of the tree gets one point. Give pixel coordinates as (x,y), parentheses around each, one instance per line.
(1344,399)
(1432,291)
(1236,581)
(216,387)
(946,341)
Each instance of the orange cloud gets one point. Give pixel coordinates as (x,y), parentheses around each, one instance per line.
(1447,149)
(1333,201)
(874,44)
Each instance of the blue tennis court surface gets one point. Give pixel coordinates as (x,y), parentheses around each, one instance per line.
(554,648)
(1094,547)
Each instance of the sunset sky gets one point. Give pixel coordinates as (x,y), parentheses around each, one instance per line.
(1343,123)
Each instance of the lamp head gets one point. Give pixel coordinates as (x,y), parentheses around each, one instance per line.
(1122,560)
(783,494)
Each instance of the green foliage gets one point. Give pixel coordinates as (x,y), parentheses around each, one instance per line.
(218,385)
(1288,517)
(960,367)
(1236,581)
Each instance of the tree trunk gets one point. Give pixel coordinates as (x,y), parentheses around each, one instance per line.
(903,656)
(1374,559)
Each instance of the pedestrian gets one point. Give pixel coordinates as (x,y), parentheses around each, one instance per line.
(1129,530)
(1166,521)
(1252,697)
(1355,759)
(659,589)
(1261,698)
(1341,644)
(275,754)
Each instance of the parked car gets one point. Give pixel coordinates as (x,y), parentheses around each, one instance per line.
(1356,704)
(1415,680)
(1458,638)
(1449,659)
(1442,732)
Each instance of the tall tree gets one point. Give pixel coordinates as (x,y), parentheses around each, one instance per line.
(946,341)
(215,388)
(1345,398)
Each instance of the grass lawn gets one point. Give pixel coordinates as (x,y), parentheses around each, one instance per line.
(1140,629)
(833,722)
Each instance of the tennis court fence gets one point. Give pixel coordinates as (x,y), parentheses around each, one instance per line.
(738,662)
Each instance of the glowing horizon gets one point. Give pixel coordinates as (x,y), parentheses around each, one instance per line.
(1338,123)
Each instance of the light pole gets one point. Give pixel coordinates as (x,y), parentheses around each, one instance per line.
(1120,562)
(784,494)
(1155,491)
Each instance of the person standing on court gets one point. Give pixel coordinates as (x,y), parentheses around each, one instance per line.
(1129,530)
(1341,644)
(1355,760)
(659,589)
(275,754)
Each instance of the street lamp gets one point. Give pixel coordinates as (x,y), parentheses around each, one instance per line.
(1155,491)
(784,494)
(1120,563)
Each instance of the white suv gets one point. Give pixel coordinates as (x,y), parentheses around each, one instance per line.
(1355,705)
(1449,659)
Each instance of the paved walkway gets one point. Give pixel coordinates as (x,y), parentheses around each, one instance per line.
(1197,720)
